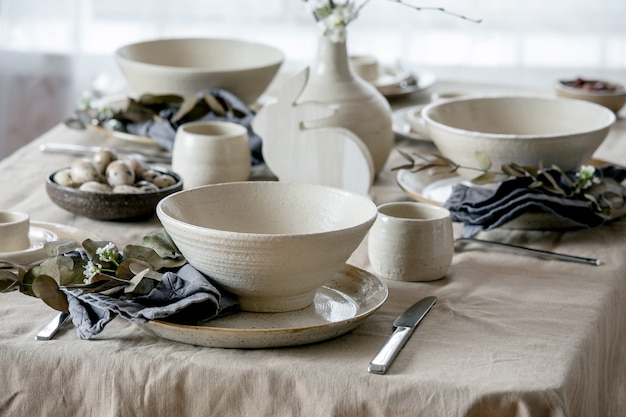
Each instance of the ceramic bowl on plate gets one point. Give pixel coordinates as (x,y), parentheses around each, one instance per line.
(109,205)
(186,66)
(273,244)
(524,130)
(605,93)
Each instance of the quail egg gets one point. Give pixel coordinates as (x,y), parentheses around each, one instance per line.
(119,173)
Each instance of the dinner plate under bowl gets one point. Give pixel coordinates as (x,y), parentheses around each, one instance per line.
(339,306)
(435,188)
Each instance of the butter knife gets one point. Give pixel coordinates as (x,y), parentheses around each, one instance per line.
(404,325)
(163,158)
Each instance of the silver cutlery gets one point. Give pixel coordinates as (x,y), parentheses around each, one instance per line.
(404,325)
(48,331)
(164,158)
(536,252)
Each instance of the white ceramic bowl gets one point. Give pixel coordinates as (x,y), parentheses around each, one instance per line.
(613,98)
(273,244)
(518,129)
(186,66)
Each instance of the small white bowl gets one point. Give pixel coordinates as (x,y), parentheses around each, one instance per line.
(186,66)
(517,129)
(613,98)
(273,244)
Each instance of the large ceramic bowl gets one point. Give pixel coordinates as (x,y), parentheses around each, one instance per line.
(273,244)
(605,93)
(186,66)
(108,205)
(519,129)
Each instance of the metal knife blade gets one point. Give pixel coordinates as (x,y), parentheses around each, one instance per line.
(48,331)
(162,158)
(405,325)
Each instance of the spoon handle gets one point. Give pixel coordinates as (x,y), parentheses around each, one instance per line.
(538,252)
(48,331)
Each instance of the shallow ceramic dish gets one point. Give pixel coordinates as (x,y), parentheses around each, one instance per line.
(339,306)
(273,244)
(401,126)
(612,98)
(110,206)
(525,130)
(42,232)
(186,66)
(391,82)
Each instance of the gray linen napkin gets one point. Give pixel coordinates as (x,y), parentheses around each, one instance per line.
(185,297)
(164,132)
(479,208)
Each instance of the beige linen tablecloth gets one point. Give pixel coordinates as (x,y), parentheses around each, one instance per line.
(510,335)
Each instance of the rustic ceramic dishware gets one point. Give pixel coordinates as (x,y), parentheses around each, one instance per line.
(365,66)
(273,244)
(613,99)
(110,206)
(411,241)
(186,66)
(517,129)
(14,228)
(211,152)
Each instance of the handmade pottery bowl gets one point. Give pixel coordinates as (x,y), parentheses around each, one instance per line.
(273,244)
(186,66)
(517,129)
(109,205)
(605,93)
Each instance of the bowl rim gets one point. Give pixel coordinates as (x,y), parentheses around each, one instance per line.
(277,59)
(229,233)
(82,193)
(611,117)
(619,89)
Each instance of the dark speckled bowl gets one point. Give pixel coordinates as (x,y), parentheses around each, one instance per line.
(110,206)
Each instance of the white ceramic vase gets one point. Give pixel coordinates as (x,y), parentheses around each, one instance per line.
(362,109)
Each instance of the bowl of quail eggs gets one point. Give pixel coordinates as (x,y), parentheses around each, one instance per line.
(106,187)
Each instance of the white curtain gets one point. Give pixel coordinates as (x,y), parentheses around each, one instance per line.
(50,51)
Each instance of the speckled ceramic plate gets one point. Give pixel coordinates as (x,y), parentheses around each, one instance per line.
(40,233)
(339,306)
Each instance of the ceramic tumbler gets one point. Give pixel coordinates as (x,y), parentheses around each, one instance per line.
(14,228)
(211,152)
(411,241)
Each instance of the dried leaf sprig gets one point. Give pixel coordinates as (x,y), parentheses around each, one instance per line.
(603,193)
(95,267)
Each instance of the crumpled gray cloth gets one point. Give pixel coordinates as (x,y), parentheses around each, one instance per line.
(480,208)
(164,132)
(185,297)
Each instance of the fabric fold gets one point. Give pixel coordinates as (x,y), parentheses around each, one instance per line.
(184,297)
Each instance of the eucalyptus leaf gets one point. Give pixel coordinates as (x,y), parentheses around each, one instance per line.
(47,289)
(536,184)
(164,246)
(484,162)
(127,269)
(59,247)
(513,171)
(214,104)
(486,178)
(144,254)
(186,107)
(60,268)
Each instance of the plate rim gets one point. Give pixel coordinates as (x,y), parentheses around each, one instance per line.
(396,115)
(348,271)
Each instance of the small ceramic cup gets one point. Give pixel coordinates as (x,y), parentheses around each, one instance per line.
(14,228)
(366,67)
(411,241)
(211,152)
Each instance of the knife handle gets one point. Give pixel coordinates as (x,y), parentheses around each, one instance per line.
(385,356)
